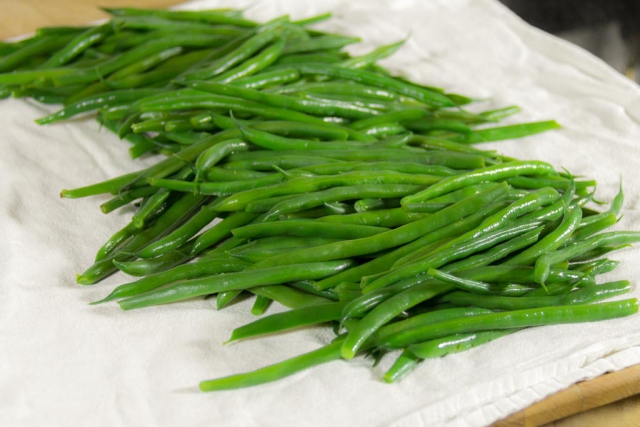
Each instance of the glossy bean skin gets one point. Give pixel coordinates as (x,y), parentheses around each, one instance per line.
(514,319)
(252,65)
(387,261)
(275,372)
(170,219)
(288,320)
(307,106)
(443,257)
(221,231)
(370,300)
(491,173)
(336,194)
(551,241)
(386,311)
(308,228)
(396,237)
(389,218)
(309,184)
(182,272)
(232,281)
(430,97)
(582,296)
(543,264)
(78,45)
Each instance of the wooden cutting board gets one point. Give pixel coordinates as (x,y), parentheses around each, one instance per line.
(615,396)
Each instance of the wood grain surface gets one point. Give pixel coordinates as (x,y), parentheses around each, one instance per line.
(19,17)
(610,400)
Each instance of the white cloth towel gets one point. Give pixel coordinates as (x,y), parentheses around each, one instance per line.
(64,363)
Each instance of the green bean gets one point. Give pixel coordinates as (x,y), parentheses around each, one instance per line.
(514,274)
(144,267)
(372,105)
(494,115)
(116,241)
(40,46)
(469,285)
(369,300)
(328,56)
(212,156)
(110,186)
(268,79)
(221,230)
(509,132)
(217,188)
(521,206)
(594,268)
(289,297)
(204,267)
(514,319)
(308,184)
(287,129)
(139,52)
(276,371)
(386,311)
(180,235)
(279,322)
(96,102)
(422,94)
(597,253)
(392,117)
(455,343)
(384,131)
(78,45)
(405,167)
(591,229)
(252,65)
(365,205)
(432,143)
(236,56)
(375,55)
(260,305)
(442,158)
(399,236)
(308,228)
(306,106)
(336,194)
(220,174)
(344,88)
(386,261)
(213,16)
(550,181)
(275,142)
(543,263)
(447,199)
(126,197)
(146,63)
(444,256)
(282,162)
(318,43)
(496,253)
(490,173)
(158,23)
(233,281)
(331,294)
(404,364)
(427,318)
(551,241)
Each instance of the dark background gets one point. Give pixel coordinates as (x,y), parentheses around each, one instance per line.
(609,29)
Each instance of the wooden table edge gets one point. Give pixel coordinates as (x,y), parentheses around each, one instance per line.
(579,397)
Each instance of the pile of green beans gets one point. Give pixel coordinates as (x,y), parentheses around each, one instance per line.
(297,173)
